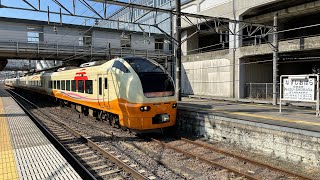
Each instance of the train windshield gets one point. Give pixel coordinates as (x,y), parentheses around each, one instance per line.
(143,65)
(156,82)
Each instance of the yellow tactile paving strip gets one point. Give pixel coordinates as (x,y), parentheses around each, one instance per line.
(8,168)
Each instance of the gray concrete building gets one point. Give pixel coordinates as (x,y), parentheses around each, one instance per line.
(211,69)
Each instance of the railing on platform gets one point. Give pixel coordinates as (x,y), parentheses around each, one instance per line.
(260,90)
(76,51)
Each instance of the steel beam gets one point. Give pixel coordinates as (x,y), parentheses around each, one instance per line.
(27,2)
(65,14)
(90,7)
(63,7)
(149,8)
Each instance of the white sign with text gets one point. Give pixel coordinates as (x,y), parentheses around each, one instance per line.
(299,89)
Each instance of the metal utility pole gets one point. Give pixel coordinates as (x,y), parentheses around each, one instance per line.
(275,59)
(178,49)
(234,50)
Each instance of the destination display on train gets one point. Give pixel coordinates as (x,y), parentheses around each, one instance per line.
(299,89)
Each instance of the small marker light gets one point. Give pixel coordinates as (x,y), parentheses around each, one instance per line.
(145,108)
(174,105)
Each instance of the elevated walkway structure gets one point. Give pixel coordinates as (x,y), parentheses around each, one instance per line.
(23,50)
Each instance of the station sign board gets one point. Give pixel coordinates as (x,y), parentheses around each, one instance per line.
(299,89)
(303,88)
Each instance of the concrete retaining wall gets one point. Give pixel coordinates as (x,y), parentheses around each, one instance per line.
(209,77)
(293,145)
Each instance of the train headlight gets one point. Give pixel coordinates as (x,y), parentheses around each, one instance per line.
(174,105)
(145,108)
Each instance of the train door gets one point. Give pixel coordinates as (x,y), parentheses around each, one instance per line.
(103,91)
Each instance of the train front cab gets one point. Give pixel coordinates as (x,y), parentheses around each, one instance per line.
(159,106)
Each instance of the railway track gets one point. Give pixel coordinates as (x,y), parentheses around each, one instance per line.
(99,161)
(250,169)
(230,165)
(241,166)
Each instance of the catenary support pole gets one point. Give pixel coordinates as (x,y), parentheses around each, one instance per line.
(178,49)
(275,59)
(234,50)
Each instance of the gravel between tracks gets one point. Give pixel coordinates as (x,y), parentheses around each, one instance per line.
(148,156)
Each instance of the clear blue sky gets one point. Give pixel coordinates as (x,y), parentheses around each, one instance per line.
(80,9)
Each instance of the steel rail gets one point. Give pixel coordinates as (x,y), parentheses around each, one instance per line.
(83,172)
(188,154)
(95,146)
(242,158)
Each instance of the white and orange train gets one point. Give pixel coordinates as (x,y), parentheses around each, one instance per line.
(132,92)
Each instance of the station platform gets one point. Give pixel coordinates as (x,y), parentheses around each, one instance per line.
(25,152)
(257,128)
(301,116)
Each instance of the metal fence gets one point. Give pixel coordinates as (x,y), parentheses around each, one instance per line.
(260,90)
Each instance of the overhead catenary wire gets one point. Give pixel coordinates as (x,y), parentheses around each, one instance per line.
(33,55)
(236,9)
(65,45)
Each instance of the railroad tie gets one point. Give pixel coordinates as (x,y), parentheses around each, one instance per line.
(94,162)
(89,157)
(76,146)
(240,178)
(142,171)
(85,153)
(109,172)
(117,178)
(99,167)
(81,149)
(221,171)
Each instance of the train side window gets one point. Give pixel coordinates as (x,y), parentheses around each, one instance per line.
(89,87)
(100,86)
(68,85)
(81,86)
(58,84)
(106,83)
(50,84)
(63,85)
(54,84)
(73,86)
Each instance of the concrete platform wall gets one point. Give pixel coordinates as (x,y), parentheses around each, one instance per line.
(208,77)
(293,145)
